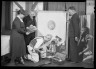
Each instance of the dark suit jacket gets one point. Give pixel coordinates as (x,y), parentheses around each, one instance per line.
(28,21)
(74,28)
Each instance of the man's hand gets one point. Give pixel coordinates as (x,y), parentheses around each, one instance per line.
(33,50)
(27,33)
(80,53)
(76,39)
(27,27)
(82,40)
(30,29)
(34,28)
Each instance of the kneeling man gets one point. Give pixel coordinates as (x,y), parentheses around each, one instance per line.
(36,46)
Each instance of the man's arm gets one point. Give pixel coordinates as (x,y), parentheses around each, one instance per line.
(38,44)
(83,50)
(18,26)
(29,49)
(76,21)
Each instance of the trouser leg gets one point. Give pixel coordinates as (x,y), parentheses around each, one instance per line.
(73,50)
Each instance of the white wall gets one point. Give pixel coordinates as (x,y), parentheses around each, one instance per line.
(90,4)
(59,18)
(39,6)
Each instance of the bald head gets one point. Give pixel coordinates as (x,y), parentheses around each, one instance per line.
(32,13)
(48,37)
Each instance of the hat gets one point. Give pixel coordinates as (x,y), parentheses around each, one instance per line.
(21,12)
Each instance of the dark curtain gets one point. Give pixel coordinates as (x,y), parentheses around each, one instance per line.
(5,18)
(7,15)
(63,6)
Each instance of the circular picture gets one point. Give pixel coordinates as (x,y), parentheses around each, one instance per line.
(51,25)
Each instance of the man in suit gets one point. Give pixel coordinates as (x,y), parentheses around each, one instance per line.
(74,33)
(29,20)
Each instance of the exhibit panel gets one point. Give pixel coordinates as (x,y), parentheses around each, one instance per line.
(52,22)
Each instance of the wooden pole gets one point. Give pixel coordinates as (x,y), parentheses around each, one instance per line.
(33,6)
(21,8)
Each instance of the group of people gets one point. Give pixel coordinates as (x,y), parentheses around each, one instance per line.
(21,35)
(24,45)
(78,37)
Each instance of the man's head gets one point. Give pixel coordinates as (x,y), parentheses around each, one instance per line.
(48,37)
(71,10)
(21,13)
(32,13)
(82,30)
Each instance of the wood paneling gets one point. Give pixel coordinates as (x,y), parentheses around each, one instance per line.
(62,6)
(75,4)
(56,6)
(80,7)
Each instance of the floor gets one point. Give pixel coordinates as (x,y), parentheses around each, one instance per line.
(42,64)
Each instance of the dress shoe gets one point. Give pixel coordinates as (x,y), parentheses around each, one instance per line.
(21,61)
(16,62)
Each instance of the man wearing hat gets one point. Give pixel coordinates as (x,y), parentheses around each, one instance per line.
(29,20)
(74,34)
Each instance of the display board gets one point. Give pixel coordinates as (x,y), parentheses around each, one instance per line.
(52,22)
